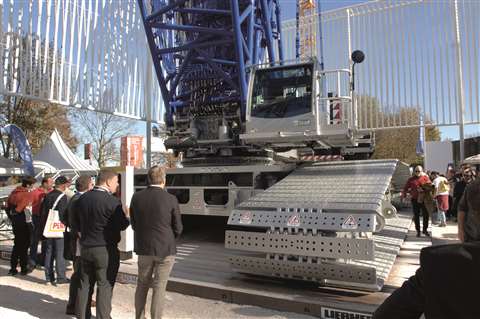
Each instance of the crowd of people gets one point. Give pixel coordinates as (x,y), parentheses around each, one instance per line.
(93,218)
(433,194)
(444,284)
(87,233)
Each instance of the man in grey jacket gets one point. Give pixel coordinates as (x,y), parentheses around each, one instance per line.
(156,220)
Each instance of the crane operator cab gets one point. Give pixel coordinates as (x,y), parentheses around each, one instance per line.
(293,106)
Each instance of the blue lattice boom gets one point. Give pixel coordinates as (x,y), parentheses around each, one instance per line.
(201,51)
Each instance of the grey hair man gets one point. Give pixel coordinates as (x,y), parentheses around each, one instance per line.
(157,223)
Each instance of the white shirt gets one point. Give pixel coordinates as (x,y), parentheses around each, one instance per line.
(436,182)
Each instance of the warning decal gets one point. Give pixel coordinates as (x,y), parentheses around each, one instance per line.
(350,223)
(246,218)
(293,221)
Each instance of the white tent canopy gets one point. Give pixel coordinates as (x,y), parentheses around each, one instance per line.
(9,167)
(475,159)
(55,153)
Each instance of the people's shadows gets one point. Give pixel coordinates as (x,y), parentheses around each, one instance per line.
(34,303)
(27,278)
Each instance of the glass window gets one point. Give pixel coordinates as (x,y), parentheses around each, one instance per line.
(282,92)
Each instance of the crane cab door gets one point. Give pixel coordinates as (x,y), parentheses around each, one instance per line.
(281,105)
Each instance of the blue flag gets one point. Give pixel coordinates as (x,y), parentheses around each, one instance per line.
(21,143)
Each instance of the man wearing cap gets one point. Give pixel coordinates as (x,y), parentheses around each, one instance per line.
(54,246)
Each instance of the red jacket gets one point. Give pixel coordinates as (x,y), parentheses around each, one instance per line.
(413,183)
(38,194)
(20,198)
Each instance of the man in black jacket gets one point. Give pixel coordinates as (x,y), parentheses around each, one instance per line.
(83,184)
(444,287)
(469,213)
(54,247)
(100,218)
(156,221)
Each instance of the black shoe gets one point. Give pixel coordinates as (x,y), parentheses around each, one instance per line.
(426,233)
(418,234)
(63,281)
(12,272)
(26,271)
(70,312)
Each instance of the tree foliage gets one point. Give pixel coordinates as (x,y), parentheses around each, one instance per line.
(397,143)
(37,120)
(103,131)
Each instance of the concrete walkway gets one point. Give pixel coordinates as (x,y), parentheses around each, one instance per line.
(29,297)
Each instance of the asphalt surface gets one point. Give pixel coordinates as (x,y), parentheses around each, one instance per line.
(29,297)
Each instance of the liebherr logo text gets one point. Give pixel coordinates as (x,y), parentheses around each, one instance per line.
(330,313)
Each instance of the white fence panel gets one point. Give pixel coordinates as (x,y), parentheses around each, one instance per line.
(415,63)
(91,54)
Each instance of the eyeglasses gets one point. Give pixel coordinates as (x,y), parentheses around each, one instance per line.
(418,171)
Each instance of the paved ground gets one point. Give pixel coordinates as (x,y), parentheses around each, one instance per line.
(28,297)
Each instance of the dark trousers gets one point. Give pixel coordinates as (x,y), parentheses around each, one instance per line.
(54,251)
(75,287)
(21,241)
(456,201)
(450,213)
(98,265)
(417,209)
(34,240)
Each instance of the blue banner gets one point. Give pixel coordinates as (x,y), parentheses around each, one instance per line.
(22,145)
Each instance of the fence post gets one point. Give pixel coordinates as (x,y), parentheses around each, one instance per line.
(460,86)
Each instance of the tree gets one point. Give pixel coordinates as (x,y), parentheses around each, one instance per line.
(103,131)
(397,143)
(36,118)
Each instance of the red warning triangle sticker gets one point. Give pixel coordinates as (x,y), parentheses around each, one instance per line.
(293,221)
(350,223)
(246,218)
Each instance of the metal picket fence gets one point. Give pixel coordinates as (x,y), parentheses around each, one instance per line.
(422,60)
(90,54)
(422,57)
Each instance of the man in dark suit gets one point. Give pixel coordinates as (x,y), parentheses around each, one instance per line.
(100,218)
(444,286)
(156,221)
(83,184)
